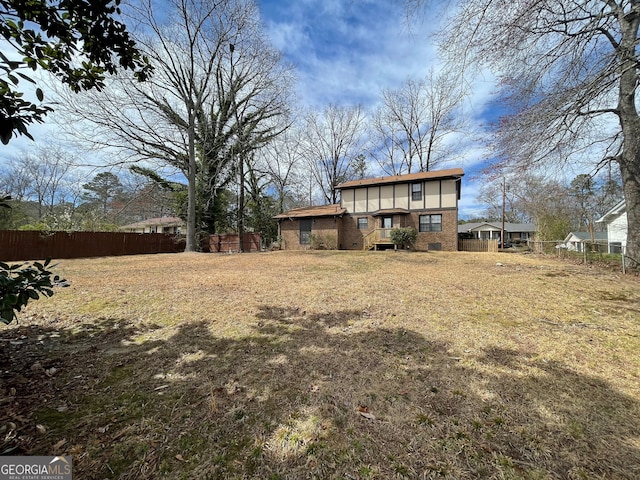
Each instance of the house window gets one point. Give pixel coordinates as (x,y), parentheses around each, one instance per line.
(363,223)
(431,223)
(305,231)
(416,191)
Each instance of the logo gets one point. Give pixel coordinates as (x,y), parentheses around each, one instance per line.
(35,468)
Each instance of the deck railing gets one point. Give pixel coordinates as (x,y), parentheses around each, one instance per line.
(375,237)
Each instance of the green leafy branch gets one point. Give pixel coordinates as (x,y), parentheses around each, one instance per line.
(79,41)
(20,283)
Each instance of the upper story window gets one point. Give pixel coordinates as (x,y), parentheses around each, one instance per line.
(416,191)
(431,223)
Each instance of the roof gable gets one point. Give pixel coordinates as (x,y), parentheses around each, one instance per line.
(619,209)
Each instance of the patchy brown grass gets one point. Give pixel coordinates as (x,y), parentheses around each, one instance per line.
(329,365)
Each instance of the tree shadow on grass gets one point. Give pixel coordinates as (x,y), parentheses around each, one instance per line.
(306,395)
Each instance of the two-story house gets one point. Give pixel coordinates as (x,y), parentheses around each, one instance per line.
(370,208)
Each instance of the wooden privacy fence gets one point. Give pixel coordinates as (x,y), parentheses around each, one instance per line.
(228,242)
(476,245)
(36,245)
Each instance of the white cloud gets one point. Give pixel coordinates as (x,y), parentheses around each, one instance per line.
(347,52)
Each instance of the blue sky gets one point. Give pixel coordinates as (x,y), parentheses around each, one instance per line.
(347,51)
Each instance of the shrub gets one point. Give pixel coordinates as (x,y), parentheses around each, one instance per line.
(20,283)
(404,237)
(323,241)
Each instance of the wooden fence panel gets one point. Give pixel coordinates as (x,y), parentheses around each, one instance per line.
(476,245)
(36,245)
(228,242)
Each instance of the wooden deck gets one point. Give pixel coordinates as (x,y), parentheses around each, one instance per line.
(377,238)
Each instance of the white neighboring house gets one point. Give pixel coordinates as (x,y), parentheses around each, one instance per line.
(616,221)
(576,241)
(156,225)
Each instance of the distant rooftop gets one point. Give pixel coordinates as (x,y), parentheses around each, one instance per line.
(152,222)
(508,227)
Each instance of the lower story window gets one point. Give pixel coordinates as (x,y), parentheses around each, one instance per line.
(431,223)
(363,223)
(305,231)
(615,247)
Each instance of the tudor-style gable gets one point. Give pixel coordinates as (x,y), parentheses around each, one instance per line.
(412,192)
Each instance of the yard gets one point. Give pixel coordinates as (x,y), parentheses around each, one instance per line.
(328,365)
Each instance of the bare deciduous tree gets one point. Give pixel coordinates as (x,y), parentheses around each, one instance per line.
(556,207)
(410,126)
(570,72)
(282,159)
(216,90)
(40,176)
(333,143)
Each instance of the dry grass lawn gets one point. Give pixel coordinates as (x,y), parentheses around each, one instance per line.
(329,365)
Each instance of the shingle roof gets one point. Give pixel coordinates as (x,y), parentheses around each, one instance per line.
(333,210)
(508,227)
(411,177)
(586,236)
(390,211)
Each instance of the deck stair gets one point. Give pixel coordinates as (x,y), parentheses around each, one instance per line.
(376,238)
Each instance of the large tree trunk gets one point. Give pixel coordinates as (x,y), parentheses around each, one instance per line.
(629,159)
(191,188)
(630,170)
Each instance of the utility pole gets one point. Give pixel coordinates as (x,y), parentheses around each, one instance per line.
(504,201)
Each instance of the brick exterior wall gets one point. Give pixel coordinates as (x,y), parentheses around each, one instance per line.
(447,238)
(326,229)
(352,237)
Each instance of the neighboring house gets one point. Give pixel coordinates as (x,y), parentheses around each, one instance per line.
(156,225)
(616,221)
(370,208)
(578,241)
(493,230)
